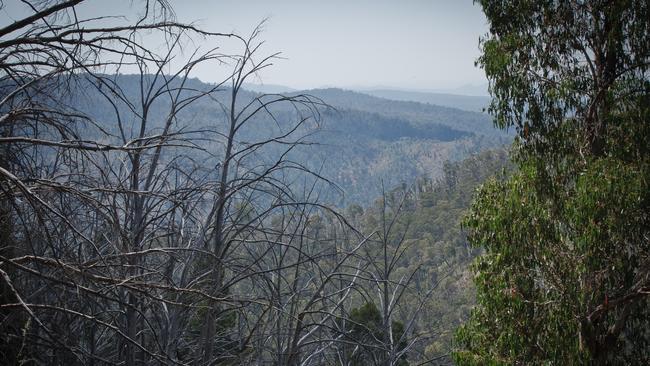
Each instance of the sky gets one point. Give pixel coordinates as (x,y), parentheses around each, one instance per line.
(406,44)
(355,44)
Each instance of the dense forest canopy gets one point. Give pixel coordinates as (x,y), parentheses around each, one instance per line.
(565,275)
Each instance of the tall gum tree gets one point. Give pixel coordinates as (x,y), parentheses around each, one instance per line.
(565,274)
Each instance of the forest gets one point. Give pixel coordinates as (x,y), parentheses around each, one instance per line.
(151,218)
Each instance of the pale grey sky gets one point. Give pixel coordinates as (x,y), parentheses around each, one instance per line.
(415,44)
(408,44)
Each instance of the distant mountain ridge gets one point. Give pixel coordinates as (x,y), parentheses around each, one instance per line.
(451,99)
(361,142)
(464,102)
(370,140)
(268,88)
(416,112)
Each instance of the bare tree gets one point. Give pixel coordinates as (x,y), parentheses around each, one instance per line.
(131,235)
(387,334)
(134,232)
(89,201)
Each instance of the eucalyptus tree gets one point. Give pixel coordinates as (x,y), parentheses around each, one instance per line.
(564,278)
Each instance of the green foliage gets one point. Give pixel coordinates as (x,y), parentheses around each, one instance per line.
(548,61)
(565,273)
(367,330)
(550,263)
(436,244)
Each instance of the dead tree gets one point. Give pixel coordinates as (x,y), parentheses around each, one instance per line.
(256,231)
(87,205)
(132,236)
(387,334)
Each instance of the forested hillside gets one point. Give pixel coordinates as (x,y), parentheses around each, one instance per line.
(357,143)
(465,102)
(431,254)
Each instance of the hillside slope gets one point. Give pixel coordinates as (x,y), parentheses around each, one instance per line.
(360,142)
(463,102)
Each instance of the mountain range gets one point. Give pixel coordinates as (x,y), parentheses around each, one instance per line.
(362,142)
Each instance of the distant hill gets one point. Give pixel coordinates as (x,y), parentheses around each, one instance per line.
(475,101)
(361,141)
(413,111)
(268,88)
(368,140)
(464,102)
(467,89)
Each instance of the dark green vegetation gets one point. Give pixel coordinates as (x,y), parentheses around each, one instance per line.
(565,277)
(465,102)
(367,327)
(430,246)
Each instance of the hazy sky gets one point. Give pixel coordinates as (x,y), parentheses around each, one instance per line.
(421,44)
(411,44)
